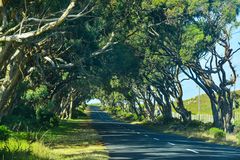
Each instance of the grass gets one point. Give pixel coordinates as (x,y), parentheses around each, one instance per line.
(192,105)
(71,140)
(75,139)
(21,149)
(200,132)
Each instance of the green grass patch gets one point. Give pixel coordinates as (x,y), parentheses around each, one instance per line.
(75,139)
(71,140)
(205,105)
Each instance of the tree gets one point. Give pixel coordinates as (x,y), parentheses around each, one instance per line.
(188,34)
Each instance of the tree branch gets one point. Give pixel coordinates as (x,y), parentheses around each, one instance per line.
(44,28)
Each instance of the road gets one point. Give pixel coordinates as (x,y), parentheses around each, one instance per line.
(127,142)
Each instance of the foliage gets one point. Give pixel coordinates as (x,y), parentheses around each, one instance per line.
(20,123)
(46,118)
(129,54)
(78,113)
(4,133)
(238,137)
(237,126)
(38,94)
(21,149)
(217,133)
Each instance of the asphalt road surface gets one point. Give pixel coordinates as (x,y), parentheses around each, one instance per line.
(127,142)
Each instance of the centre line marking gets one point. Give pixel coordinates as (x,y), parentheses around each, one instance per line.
(138,132)
(191,150)
(146,135)
(156,139)
(171,143)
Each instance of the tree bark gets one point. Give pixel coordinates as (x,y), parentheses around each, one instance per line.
(180,109)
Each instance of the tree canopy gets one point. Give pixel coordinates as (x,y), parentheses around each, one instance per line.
(59,54)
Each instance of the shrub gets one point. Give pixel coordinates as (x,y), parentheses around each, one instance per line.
(15,149)
(129,116)
(37,94)
(24,111)
(164,121)
(135,117)
(46,118)
(4,133)
(78,113)
(217,133)
(237,126)
(195,123)
(238,138)
(159,119)
(54,120)
(19,123)
(208,125)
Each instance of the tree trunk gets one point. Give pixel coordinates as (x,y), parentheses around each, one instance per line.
(141,110)
(167,109)
(225,103)
(13,76)
(184,113)
(70,107)
(150,113)
(133,106)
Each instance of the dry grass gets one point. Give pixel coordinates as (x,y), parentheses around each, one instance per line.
(199,133)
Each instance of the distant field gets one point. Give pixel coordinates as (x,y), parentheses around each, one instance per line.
(205,106)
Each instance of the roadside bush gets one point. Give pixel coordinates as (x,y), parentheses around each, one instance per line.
(24,111)
(19,123)
(208,125)
(217,133)
(135,117)
(78,113)
(127,116)
(46,118)
(164,121)
(22,118)
(4,133)
(238,138)
(237,126)
(159,119)
(195,124)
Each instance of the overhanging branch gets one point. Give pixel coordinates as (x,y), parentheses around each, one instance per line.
(44,28)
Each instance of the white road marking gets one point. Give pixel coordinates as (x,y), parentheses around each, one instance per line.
(138,132)
(146,135)
(156,139)
(171,143)
(191,150)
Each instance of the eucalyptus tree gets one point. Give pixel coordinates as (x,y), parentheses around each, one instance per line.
(166,87)
(45,36)
(25,31)
(190,31)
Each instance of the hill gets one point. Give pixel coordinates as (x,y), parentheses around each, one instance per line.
(205,106)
